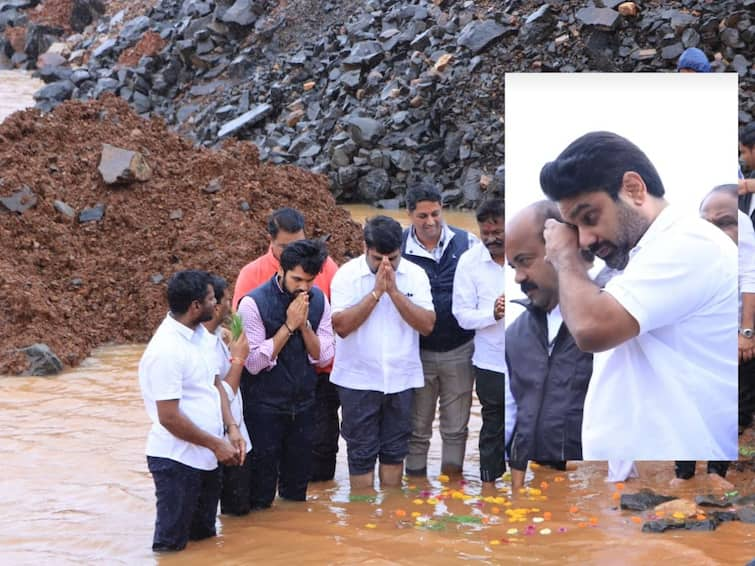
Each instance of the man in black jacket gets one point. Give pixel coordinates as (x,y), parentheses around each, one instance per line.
(548,373)
(747,184)
(447,352)
(287,322)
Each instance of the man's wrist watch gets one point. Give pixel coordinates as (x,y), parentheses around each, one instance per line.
(746,332)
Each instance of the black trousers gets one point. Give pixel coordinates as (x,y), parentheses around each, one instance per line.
(326,430)
(746,393)
(685,469)
(490,385)
(236,486)
(282,454)
(187,503)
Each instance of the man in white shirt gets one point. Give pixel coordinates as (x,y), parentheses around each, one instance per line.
(235,480)
(665,386)
(186,441)
(478,304)
(381,305)
(719,207)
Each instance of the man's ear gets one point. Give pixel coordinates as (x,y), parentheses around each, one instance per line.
(633,188)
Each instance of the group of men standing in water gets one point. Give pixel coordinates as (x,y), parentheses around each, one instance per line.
(388,337)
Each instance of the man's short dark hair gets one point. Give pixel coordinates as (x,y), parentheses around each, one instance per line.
(491,209)
(309,254)
(747,135)
(382,234)
(597,162)
(287,219)
(422,191)
(219,285)
(185,287)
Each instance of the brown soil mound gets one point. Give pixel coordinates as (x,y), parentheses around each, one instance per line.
(150,44)
(55,13)
(75,286)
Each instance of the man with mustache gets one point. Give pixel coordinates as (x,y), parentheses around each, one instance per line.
(288,324)
(664,384)
(381,305)
(549,375)
(478,304)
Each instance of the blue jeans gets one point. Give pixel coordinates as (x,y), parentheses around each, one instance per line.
(187,503)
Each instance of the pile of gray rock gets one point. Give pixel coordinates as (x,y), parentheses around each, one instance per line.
(399,91)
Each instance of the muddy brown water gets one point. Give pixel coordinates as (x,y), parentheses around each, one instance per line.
(76,489)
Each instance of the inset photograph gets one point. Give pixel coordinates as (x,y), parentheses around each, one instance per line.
(622,282)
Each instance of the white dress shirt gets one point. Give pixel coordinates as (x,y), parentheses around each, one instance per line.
(478,282)
(746,239)
(176,365)
(671,392)
(222,355)
(383,353)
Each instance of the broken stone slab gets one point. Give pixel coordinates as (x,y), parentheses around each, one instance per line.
(213,186)
(746,515)
(643,500)
(364,53)
(678,506)
(602,18)
(710,500)
(17,4)
(92,214)
(478,34)
(64,209)
(42,360)
(374,185)
(242,13)
(365,131)
(20,201)
(255,115)
(57,91)
(663,525)
(122,166)
(672,51)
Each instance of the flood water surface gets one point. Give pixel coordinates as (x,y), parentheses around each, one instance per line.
(76,490)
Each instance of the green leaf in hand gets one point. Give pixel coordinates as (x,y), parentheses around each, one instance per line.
(237,326)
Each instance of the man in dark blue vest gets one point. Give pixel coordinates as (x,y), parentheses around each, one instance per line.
(288,324)
(447,352)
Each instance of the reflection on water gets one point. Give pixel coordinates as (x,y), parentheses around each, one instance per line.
(76,490)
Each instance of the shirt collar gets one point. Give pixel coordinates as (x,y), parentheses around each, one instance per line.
(665,219)
(445,237)
(184,330)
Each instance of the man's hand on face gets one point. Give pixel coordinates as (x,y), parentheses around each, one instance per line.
(561,241)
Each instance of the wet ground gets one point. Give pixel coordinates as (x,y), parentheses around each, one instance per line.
(76,490)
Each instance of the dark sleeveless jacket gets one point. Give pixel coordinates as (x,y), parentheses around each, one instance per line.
(289,386)
(549,390)
(447,334)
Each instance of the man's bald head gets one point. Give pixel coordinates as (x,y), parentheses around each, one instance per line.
(719,207)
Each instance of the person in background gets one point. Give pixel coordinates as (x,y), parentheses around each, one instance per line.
(746,184)
(693,60)
(235,480)
(284,226)
(446,353)
(478,304)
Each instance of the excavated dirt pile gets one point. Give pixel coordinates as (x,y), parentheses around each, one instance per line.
(75,284)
